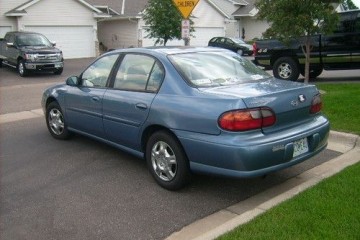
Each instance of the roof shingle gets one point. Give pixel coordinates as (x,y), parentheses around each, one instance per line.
(127,8)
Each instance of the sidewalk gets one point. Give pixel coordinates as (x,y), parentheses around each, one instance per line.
(227,219)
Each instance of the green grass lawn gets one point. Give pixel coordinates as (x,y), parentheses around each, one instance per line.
(342,106)
(330,210)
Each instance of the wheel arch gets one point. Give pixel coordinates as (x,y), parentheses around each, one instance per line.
(281,54)
(50,100)
(155,128)
(19,58)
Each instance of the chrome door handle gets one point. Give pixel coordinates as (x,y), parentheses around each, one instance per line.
(141,106)
(95,99)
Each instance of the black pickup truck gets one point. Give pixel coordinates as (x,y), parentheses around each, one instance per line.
(29,51)
(338,51)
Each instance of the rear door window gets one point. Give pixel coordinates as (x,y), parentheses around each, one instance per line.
(139,72)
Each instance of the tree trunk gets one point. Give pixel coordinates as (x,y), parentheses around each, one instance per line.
(307,59)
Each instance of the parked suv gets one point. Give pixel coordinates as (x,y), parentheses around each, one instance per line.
(30,51)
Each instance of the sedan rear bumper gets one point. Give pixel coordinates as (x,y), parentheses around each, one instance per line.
(253,154)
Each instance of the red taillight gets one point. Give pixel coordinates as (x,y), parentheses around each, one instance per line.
(249,119)
(316,104)
(254,49)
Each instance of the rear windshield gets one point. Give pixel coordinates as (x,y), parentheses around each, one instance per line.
(210,69)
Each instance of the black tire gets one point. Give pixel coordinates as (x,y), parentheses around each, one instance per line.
(55,121)
(21,68)
(58,71)
(314,72)
(1,63)
(167,161)
(286,68)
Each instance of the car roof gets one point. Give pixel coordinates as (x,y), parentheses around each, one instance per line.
(24,32)
(170,50)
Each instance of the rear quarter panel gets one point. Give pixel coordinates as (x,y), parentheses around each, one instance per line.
(180,106)
(191,113)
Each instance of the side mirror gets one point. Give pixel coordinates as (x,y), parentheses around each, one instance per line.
(73,81)
(53,43)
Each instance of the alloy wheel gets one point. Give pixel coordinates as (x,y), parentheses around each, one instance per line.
(56,121)
(284,70)
(163,161)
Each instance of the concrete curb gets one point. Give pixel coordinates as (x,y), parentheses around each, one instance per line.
(227,219)
(19,116)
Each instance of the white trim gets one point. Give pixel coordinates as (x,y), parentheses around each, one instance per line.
(237,3)
(15,14)
(32,2)
(89,6)
(218,9)
(102,15)
(122,18)
(27,5)
(123,7)
(106,7)
(253,12)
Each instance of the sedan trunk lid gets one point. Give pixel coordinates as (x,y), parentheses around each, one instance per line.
(290,101)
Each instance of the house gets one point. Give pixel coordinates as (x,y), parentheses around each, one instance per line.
(251,27)
(242,15)
(126,28)
(232,18)
(79,27)
(72,24)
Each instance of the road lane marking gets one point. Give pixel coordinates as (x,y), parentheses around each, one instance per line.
(18,116)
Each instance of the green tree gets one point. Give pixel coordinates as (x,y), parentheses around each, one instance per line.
(298,19)
(163,20)
(349,5)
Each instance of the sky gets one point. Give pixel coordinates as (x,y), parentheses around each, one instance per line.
(357,3)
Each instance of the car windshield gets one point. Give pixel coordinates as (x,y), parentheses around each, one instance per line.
(32,40)
(210,69)
(237,40)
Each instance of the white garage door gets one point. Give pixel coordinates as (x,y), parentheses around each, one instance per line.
(202,35)
(4,30)
(75,42)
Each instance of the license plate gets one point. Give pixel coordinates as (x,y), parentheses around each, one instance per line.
(300,146)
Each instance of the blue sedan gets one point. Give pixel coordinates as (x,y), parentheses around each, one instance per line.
(188,110)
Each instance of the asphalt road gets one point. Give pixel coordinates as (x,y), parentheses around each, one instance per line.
(82,189)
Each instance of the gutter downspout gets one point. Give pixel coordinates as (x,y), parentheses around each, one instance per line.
(123,7)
